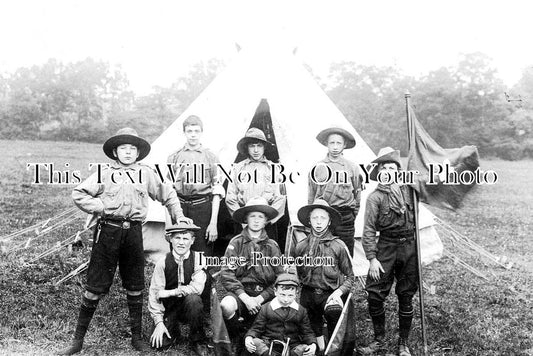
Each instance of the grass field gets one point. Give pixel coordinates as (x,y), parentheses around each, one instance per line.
(466,316)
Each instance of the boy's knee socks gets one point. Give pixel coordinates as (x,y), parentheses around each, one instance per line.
(135,307)
(87,309)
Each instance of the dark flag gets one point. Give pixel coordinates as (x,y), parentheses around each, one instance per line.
(442,172)
(221,339)
(342,342)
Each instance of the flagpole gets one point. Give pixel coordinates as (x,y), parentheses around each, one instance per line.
(410,132)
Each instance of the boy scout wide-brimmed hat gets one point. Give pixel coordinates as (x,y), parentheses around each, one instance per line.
(126,136)
(180,227)
(322,137)
(305,212)
(385,155)
(255,204)
(287,279)
(254,135)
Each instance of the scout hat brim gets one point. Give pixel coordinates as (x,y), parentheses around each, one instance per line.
(242,145)
(385,155)
(142,145)
(241,213)
(305,212)
(322,137)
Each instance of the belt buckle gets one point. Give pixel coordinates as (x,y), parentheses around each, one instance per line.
(125,225)
(318,291)
(258,288)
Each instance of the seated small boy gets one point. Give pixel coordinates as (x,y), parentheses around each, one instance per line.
(282,319)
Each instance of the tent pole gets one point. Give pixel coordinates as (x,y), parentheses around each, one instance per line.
(410,131)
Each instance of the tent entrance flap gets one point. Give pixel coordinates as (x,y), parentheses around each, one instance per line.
(263,121)
(227,228)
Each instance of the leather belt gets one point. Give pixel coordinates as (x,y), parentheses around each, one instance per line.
(195,201)
(123,224)
(397,238)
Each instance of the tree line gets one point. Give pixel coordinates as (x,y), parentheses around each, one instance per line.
(465,104)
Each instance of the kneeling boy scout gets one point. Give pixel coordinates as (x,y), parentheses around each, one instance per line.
(284,320)
(249,283)
(176,290)
(323,285)
(389,210)
(118,195)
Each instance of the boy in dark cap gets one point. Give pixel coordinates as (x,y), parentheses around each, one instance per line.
(282,319)
(118,197)
(199,199)
(324,286)
(390,210)
(256,148)
(249,285)
(176,290)
(343,190)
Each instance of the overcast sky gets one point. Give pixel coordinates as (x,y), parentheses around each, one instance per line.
(156,41)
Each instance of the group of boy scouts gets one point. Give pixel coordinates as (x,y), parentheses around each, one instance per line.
(259,304)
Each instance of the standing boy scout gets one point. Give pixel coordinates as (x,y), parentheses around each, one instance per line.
(323,285)
(118,195)
(176,290)
(249,283)
(284,320)
(255,146)
(389,210)
(198,184)
(343,190)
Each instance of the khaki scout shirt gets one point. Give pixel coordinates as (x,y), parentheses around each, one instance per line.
(239,192)
(344,192)
(234,277)
(122,192)
(198,173)
(339,276)
(380,217)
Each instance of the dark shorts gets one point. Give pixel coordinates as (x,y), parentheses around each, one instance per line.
(315,304)
(116,245)
(200,213)
(398,259)
(346,229)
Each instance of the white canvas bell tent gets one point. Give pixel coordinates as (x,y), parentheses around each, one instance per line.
(299,110)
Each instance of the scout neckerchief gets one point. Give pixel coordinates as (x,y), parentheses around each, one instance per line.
(396,200)
(257,244)
(314,242)
(179,261)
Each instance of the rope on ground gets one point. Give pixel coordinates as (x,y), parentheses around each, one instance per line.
(461,239)
(39,225)
(74,273)
(69,240)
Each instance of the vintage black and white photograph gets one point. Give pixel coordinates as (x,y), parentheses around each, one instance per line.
(270,178)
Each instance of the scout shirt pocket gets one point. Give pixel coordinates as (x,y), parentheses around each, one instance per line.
(386,215)
(331,274)
(343,185)
(111,198)
(139,199)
